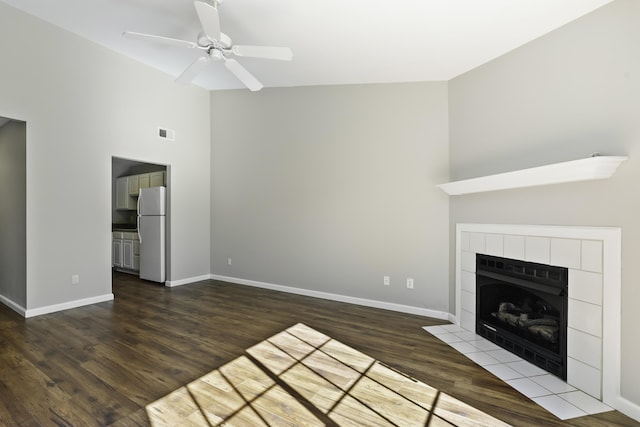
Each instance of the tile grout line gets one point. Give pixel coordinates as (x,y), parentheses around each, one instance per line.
(563,408)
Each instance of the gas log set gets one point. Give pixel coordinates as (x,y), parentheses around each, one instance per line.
(535,321)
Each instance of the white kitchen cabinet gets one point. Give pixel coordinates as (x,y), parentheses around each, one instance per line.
(127,254)
(156,179)
(128,188)
(143,181)
(136,255)
(126,251)
(134,185)
(123,199)
(122,192)
(117,252)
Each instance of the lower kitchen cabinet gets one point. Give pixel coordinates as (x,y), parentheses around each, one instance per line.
(126,252)
(117,252)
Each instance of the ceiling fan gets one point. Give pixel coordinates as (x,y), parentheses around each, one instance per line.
(217,46)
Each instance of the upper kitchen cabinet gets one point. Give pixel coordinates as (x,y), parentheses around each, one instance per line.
(134,185)
(123,199)
(156,179)
(128,188)
(143,182)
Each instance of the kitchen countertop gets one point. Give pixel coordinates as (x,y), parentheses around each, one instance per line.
(126,228)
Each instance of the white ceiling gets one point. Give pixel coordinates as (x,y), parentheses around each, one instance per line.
(333,41)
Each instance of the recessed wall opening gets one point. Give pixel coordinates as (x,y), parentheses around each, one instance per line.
(132,254)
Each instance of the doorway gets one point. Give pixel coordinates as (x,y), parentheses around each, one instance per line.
(129,177)
(13,213)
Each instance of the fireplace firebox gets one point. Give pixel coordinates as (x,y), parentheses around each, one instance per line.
(522,307)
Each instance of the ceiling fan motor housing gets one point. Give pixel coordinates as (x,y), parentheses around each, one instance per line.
(217,46)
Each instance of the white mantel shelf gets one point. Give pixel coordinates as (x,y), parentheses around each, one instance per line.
(598,167)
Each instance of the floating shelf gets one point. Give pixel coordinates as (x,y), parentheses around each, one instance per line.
(598,167)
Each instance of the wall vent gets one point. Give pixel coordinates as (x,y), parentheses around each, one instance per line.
(166,134)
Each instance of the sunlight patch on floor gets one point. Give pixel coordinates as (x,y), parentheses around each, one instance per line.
(305,378)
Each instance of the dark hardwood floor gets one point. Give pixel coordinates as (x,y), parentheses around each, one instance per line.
(102,364)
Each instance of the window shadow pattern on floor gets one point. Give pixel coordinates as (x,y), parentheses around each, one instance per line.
(302,377)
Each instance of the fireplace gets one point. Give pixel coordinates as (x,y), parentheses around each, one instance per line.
(593,257)
(522,307)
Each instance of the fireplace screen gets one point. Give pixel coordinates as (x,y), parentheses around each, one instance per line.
(522,307)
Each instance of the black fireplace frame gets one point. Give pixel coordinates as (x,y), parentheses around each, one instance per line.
(539,279)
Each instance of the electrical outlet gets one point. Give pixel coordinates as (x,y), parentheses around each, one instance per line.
(75,279)
(386,281)
(229,261)
(409,283)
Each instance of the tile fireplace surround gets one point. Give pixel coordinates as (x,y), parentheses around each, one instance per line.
(593,257)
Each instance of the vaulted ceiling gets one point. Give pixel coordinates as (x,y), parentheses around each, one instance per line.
(333,41)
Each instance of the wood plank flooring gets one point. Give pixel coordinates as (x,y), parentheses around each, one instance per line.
(103,364)
(302,377)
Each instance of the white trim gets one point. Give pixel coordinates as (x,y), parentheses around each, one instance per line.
(336,297)
(67,305)
(612,324)
(598,167)
(173,283)
(612,255)
(627,407)
(13,305)
(562,231)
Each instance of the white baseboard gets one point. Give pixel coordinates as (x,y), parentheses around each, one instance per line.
(336,297)
(13,305)
(625,406)
(172,283)
(67,305)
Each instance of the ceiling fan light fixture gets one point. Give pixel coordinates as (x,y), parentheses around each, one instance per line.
(216,55)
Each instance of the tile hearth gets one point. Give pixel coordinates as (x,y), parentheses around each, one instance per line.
(556,396)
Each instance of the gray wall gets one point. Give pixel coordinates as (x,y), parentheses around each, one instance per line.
(561,97)
(331,188)
(84,104)
(13,213)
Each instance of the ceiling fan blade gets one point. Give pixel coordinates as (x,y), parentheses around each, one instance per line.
(243,75)
(193,70)
(160,39)
(208,14)
(268,52)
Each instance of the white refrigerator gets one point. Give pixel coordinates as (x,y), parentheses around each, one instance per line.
(151,230)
